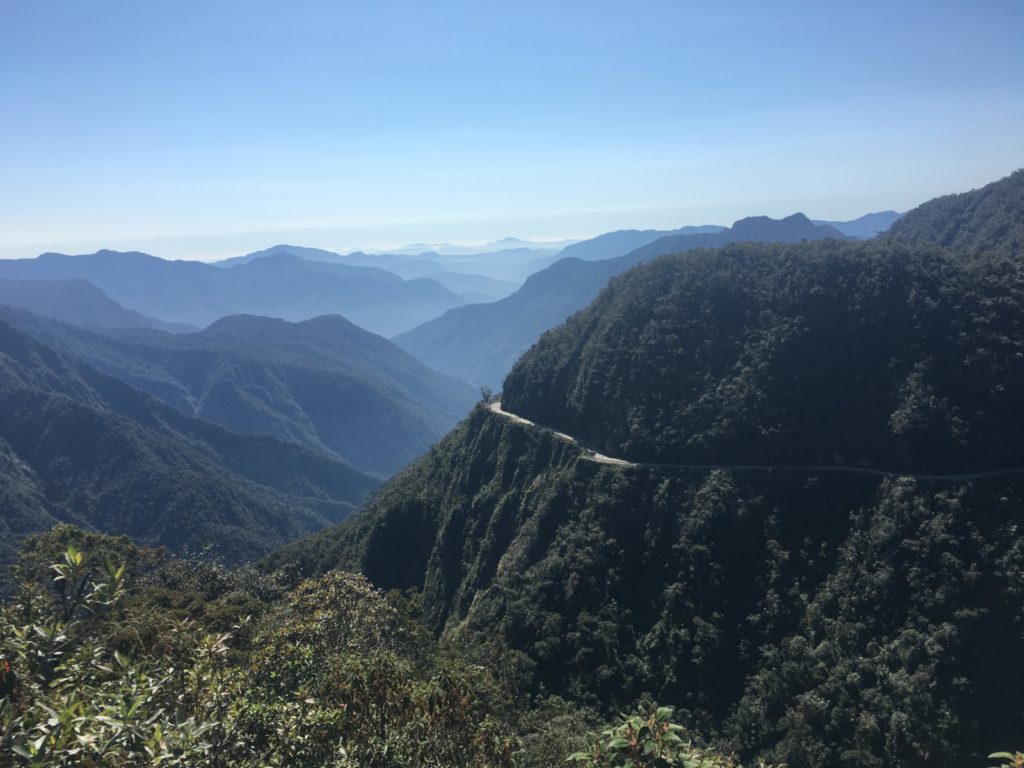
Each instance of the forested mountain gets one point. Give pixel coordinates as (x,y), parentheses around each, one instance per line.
(82,446)
(479,343)
(789,600)
(324,383)
(870,355)
(78,302)
(983,219)
(281,285)
(864,227)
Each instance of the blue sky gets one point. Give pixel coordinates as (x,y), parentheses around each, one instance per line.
(214,127)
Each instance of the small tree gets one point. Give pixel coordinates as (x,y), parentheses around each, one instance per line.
(648,739)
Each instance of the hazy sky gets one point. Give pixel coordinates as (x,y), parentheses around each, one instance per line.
(212,127)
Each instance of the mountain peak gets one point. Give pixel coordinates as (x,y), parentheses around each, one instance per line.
(792,228)
(797,218)
(102,253)
(244,322)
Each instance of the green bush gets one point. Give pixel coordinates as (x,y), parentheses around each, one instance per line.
(648,739)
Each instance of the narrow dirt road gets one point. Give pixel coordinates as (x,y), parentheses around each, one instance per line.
(593,455)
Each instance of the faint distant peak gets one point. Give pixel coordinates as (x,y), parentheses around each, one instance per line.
(504,244)
(282,250)
(103,253)
(244,322)
(864,227)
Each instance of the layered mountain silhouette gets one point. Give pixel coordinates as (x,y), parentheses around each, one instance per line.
(503,269)
(496,246)
(613,244)
(479,343)
(865,227)
(323,383)
(457,274)
(280,285)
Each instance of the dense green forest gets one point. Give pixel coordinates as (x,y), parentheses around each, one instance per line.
(982,220)
(873,355)
(115,655)
(820,615)
(815,618)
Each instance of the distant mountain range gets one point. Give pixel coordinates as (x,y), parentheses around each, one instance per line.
(323,383)
(490,272)
(281,285)
(479,343)
(79,302)
(475,289)
(612,244)
(387,293)
(867,226)
(505,244)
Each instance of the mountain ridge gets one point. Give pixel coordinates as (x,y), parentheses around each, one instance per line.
(865,227)
(85,447)
(981,220)
(479,343)
(323,383)
(281,285)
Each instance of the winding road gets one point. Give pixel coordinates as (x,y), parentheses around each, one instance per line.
(591,454)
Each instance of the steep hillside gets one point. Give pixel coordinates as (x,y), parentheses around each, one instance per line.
(78,302)
(868,355)
(24,506)
(282,285)
(479,343)
(80,446)
(743,597)
(324,383)
(800,606)
(983,219)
